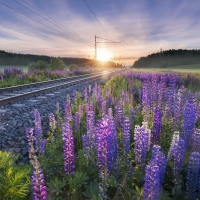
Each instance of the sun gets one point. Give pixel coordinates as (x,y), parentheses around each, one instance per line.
(103,55)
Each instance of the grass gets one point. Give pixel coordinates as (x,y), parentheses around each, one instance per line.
(193,68)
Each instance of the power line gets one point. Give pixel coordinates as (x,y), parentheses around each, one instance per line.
(107,40)
(43,24)
(48,20)
(95,17)
(58,24)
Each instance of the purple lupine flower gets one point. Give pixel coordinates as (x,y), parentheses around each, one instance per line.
(126,136)
(196,140)
(179,153)
(110,149)
(86,146)
(179,107)
(86,95)
(76,121)
(113,141)
(38,184)
(193,176)
(192,99)
(31,138)
(161,159)
(52,121)
(68,114)
(99,103)
(90,125)
(146,98)
(102,144)
(162,91)
(110,112)
(120,114)
(107,147)
(152,182)
(97,133)
(157,126)
(142,136)
(171,149)
(52,124)
(154,93)
(188,124)
(40,142)
(109,101)
(197,114)
(68,149)
(89,107)
(104,152)
(95,91)
(124,96)
(169,107)
(154,174)
(37,179)
(103,108)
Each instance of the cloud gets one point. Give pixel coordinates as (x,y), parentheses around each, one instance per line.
(142,27)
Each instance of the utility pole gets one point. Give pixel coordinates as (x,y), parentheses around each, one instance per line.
(95,44)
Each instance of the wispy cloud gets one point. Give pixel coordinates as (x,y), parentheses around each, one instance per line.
(143,27)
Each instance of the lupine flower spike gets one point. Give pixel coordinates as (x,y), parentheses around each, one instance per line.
(40,142)
(68,149)
(37,178)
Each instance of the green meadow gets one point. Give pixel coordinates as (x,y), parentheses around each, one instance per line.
(193,68)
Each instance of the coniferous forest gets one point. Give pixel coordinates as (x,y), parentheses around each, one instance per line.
(16,59)
(169,58)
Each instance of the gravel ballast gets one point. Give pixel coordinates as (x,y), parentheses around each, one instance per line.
(15,118)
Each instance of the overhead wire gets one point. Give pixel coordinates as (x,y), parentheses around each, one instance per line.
(95,17)
(111,41)
(58,23)
(43,24)
(107,40)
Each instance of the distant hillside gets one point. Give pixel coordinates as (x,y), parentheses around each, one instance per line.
(169,58)
(7,58)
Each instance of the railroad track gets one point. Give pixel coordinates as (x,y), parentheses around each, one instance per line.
(17,93)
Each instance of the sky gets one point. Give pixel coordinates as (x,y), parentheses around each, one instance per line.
(142,27)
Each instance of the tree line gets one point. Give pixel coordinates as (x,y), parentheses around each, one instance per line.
(8,58)
(169,58)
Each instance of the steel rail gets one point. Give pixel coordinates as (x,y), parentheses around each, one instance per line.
(26,95)
(19,87)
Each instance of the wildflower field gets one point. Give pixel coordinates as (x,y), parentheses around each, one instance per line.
(12,76)
(136,137)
